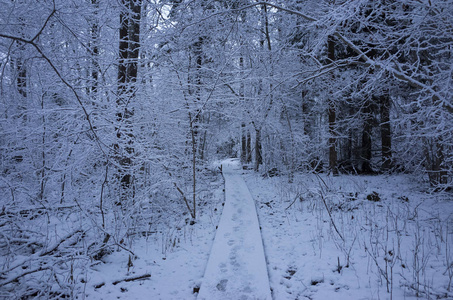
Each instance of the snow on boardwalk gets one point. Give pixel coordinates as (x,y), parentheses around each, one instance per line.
(236,267)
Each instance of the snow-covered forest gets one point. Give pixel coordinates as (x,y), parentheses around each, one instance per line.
(115,115)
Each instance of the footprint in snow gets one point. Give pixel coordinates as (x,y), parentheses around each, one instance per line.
(221,286)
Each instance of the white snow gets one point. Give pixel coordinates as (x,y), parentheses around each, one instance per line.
(401,241)
(404,242)
(237,267)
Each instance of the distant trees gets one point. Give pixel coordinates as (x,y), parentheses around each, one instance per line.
(394,39)
(360,69)
(384,45)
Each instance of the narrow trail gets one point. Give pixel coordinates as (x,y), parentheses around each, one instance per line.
(236,268)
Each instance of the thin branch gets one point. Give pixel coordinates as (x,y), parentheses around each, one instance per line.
(209,95)
(361,55)
(330,215)
(45,23)
(308,18)
(327,208)
(57,72)
(298,196)
(181,192)
(185,199)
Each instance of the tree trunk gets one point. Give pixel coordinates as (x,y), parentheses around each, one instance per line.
(386,137)
(198,52)
(249,147)
(134,40)
(258,144)
(123,52)
(94,48)
(127,77)
(258,150)
(305,113)
(332,118)
(194,170)
(366,139)
(332,139)
(434,155)
(21,78)
(43,154)
(243,144)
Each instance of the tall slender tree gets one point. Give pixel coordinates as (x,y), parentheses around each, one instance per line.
(129,48)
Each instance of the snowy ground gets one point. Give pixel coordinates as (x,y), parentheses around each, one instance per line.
(391,240)
(174,256)
(400,238)
(394,240)
(394,245)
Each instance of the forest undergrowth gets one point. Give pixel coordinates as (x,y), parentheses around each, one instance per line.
(77,249)
(373,237)
(351,237)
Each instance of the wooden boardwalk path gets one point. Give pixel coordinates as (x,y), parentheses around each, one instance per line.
(236,267)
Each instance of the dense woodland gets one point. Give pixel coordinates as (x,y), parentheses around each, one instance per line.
(111,111)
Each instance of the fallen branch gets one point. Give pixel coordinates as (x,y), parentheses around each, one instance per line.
(127,279)
(55,247)
(99,285)
(15,278)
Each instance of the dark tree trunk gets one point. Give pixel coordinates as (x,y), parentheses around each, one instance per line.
(127,76)
(386,137)
(258,150)
(366,139)
(249,147)
(134,40)
(305,113)
(332,139)
(199,138)
(243,144)
(244,133)
(123,52)
(332,118)
(266,38)
(434,156)
(21,78)
(94,48)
